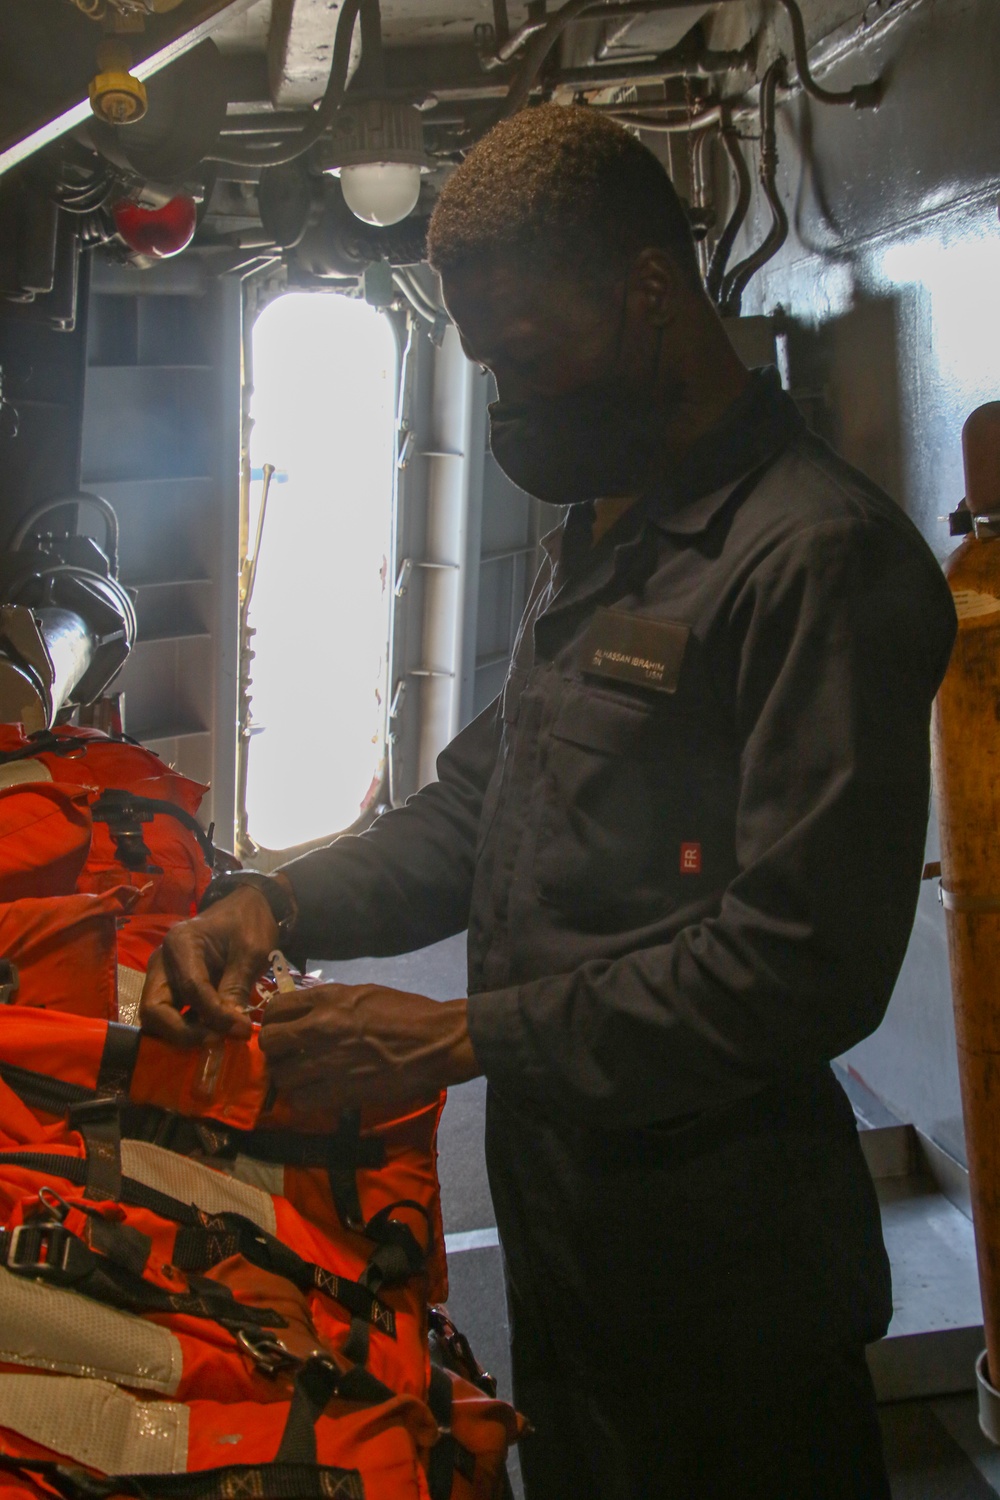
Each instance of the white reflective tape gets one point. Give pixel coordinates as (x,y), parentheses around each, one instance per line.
(18,772)
(269,1176)
(471,1239)
(130,983)
(179,1177)
(50,1329)
(96,1424)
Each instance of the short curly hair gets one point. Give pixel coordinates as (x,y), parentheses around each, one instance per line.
(559,187)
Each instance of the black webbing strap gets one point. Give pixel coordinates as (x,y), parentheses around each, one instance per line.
(315,1385)
(74,1169)
(340,1153)
(441,1464)
(97,1122)
(277,1481)
(47,1251)
(340,1171)
(218,1236)
(206,1239)
(53,1095)
(121,1049)
(123,811)
(43,742)
(121,1243)
(448,1456)
(397,1256)
(440,1397)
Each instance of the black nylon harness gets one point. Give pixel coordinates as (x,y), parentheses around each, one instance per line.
(203,1241)
(341,1154)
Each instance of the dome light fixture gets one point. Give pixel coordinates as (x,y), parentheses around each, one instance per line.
(377,151)
(381,192)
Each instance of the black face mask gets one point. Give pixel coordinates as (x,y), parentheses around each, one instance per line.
(593,442)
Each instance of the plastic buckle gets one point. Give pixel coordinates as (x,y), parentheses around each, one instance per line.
(47,1252)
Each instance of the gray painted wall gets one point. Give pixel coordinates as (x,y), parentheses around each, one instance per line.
(891,282)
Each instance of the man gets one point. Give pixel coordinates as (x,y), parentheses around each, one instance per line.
(686,842)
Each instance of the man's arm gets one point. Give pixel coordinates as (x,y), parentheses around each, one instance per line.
(407,880)
(404,883)
(838,644)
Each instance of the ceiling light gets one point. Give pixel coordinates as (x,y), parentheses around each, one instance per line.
(377,150)
(381,192)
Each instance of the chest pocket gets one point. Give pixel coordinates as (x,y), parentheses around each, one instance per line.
(605,791)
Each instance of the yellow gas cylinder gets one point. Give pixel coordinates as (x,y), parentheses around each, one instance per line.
(966,753)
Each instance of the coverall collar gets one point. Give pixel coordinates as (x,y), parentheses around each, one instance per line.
(758,425)
(760,422)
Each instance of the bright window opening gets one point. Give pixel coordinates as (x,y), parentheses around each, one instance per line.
(323,410)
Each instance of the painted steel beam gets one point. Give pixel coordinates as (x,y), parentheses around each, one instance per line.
(300,49)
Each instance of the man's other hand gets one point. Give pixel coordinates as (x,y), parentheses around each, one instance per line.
(207,969)
(349,1045)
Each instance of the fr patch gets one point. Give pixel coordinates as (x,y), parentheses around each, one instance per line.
(633,648)
(690,859)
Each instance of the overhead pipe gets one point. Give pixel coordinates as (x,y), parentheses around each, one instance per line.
(688,57)
(508,47)
(418,298)
(966,758)
(735,284)
(501,22)
(537,50)
(537,37)
(676,125)
(683,61)
(507,50)
(861,96)
(727,239)
(371,69)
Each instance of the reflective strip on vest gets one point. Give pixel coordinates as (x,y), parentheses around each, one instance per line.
(269,1176)
(50,1329)
(179,1177)
(130,983)
(19,772)
(96,1424)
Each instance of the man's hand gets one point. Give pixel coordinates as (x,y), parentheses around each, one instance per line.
(347,1045)
(208,967)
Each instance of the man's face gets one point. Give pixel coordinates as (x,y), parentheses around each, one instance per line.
(576,371)
(541,336)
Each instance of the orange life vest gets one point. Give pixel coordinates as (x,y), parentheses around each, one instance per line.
(134,1226)
(142,827)
(147,1298)
(216,1101)
(45,833)
(64,951)
(69,1433)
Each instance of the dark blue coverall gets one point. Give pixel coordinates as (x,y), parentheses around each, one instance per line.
(682,902)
